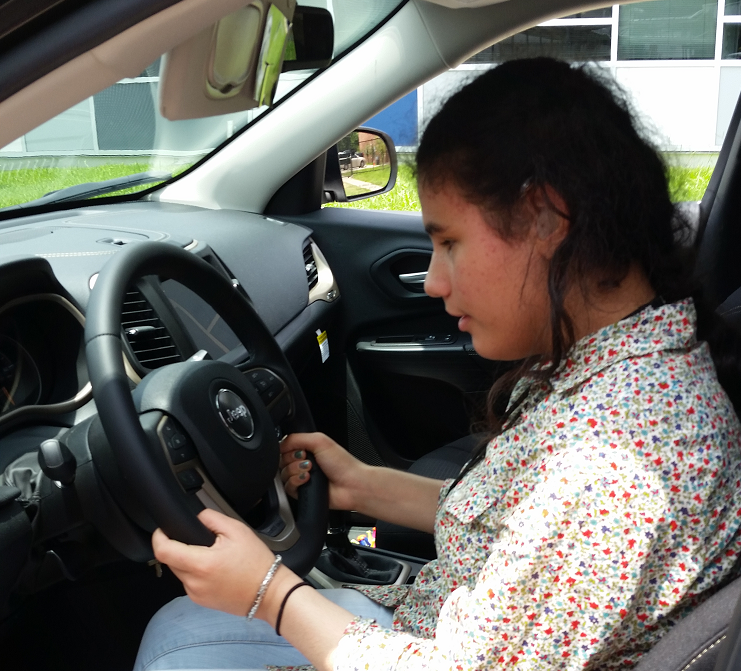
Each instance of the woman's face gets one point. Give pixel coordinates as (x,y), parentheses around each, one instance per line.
(497,288)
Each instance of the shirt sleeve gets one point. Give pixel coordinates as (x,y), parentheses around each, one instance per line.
(562,576)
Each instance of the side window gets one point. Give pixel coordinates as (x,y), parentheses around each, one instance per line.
(679,61)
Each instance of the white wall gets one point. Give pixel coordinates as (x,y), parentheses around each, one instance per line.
(688,105)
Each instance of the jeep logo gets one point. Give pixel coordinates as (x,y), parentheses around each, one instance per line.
(234,414)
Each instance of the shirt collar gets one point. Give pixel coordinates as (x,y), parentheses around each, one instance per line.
(668,327)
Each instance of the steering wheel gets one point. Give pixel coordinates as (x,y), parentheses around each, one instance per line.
(202,433)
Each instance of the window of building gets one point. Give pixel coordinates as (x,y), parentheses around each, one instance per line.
(604,13)
(731,46)
(570,43)
(667,30)
(585,36)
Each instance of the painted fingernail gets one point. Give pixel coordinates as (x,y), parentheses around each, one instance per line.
(302,476)
(304,464)
(298,454)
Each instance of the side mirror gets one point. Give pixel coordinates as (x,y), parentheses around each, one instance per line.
(360,165)
(310,42)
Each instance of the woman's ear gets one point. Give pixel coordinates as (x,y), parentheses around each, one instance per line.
(550,217)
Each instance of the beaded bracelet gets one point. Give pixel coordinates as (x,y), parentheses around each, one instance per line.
(264,586)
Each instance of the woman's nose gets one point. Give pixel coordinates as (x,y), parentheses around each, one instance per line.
(435,283)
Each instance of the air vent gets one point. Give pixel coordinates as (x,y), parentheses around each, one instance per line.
(312,274)
(147,335)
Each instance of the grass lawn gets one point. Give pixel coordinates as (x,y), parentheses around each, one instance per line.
(688,183)
(402,197)
(377,175)
(25,184)
(684,184)
(20,186)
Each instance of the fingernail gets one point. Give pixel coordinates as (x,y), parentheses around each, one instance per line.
(298,454)
(304,464)
(302,476)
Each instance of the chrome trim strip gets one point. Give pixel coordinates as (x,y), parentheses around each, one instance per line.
(209,496)
(290,534)
(406,347)
(413,279)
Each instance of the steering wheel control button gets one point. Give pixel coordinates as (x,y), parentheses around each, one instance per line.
(261,375)
(190,480)
(234,414)
(168,428)
(268,386)
(179,447)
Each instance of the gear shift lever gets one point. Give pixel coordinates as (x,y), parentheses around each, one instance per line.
(342,561)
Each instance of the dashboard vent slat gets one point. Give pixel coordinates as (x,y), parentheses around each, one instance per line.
(312,274)
(148,337)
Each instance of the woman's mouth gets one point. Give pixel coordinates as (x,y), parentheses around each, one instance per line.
(463,322)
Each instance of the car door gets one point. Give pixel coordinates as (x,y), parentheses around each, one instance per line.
(411,381)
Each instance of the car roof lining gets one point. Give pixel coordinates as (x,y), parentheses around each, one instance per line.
(15,14)
(65,31)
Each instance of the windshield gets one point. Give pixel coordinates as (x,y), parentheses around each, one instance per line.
(119,137)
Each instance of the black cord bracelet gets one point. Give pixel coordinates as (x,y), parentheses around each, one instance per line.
(283,605)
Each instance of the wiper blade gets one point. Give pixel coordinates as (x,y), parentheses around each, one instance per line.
(92,189)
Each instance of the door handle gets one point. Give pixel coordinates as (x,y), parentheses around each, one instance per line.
(401,274)
(413,279)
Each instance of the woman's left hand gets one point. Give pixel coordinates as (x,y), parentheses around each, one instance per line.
(225,576)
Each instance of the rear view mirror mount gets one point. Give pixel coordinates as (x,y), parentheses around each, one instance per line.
(311,40)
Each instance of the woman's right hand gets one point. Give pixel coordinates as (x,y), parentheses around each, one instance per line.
(344,472)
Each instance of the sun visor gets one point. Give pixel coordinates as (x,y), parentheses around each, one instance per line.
(229,67)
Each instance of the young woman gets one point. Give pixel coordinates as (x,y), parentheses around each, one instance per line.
(606,502)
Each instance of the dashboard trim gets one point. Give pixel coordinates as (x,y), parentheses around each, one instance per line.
(326,288)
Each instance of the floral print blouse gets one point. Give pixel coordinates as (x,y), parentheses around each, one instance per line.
(593,522)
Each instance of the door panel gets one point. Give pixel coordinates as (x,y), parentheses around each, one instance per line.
(413,382)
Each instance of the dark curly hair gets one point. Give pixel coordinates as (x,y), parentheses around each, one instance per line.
(541,122)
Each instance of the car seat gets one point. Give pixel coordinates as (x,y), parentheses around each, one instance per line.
(440,464)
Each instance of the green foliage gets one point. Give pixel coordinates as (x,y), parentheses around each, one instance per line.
(350,142)
(684,184)
(402,197)
(688,183)
(378,175)
(25,184)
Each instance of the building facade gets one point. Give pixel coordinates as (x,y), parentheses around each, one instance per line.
(678,60)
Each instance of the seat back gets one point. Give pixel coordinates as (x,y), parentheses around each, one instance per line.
(693,644)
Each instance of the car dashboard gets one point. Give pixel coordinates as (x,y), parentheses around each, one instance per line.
(49,264)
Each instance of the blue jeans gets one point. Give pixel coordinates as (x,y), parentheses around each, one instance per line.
(183,635)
